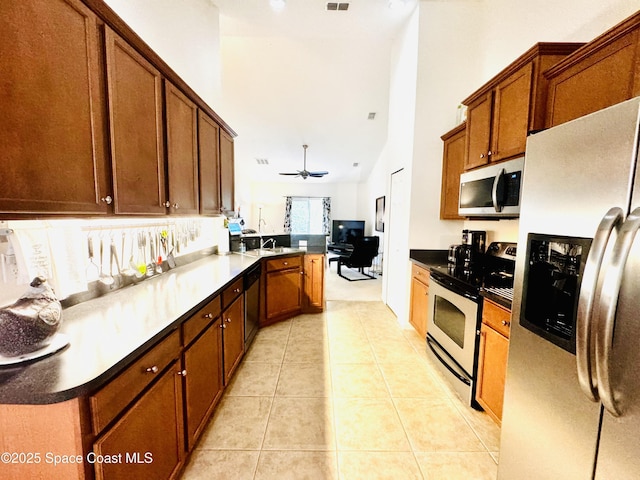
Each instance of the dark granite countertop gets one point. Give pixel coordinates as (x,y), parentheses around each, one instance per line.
(108,333)
(429,258)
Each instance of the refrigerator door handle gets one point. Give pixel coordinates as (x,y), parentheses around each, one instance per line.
(497,192)
(584,331)
(607,313)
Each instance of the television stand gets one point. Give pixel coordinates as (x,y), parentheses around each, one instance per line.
(340,248)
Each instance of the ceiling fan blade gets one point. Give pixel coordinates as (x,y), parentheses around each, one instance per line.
(318,174)
(291,173)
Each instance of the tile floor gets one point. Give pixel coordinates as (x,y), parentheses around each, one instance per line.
(346,394)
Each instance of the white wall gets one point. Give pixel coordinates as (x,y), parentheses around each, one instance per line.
(186,34)
(271,197)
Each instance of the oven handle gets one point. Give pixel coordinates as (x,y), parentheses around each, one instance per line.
(453,288)
(460,377)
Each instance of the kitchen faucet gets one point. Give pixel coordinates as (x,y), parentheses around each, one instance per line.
(272,240)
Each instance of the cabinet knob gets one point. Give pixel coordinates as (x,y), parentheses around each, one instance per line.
(108,200)
(506,323)
(222,325)
(482,155)
(182,373)
(228,320)
(166,204)
(208,315)
(489,153)
(236,290)
(153,369)
(285,263)
(176,206)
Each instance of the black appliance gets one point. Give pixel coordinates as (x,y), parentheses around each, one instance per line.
(252,303)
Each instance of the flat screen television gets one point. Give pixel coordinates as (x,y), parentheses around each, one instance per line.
(346,231)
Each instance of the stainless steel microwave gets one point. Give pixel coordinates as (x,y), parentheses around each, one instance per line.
(492,191)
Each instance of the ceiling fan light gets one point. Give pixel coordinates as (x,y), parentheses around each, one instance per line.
(277,4)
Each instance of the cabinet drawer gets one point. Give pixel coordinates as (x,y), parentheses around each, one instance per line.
(197,323)
(107,403)
(283,263)
(496,317)
(230,293)
(420,273)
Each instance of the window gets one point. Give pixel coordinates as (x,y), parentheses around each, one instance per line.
(307,215)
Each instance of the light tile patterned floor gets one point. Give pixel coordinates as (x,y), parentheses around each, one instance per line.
(346,394)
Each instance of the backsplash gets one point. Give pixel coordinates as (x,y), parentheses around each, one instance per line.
(75,254)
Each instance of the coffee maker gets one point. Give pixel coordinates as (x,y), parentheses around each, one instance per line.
(473,246)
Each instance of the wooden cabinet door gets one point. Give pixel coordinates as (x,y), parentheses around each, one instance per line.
(478,132)
(149,437)
(226,171)
(492,368)
(182,151)
(202,363)
(605,73)
(283,293)
(233,336)
(135,113)
(511,107)
(452,167)
(53,138)
(209,160)
(419,303)
(313,283)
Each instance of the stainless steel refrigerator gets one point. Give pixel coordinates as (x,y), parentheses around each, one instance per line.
(572,395)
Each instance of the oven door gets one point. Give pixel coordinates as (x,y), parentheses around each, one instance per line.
(452,322)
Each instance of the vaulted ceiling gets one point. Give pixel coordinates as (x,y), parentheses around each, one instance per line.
(307,75)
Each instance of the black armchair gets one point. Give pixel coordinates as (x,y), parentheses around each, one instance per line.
(365,249)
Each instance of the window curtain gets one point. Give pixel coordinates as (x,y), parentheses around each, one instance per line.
(287,214)
(326,214)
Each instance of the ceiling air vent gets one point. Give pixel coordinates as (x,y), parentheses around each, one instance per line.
(262,161)
(337,6)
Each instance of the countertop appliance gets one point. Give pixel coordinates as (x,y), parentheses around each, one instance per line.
(455,310)
(577,415)
(492,191)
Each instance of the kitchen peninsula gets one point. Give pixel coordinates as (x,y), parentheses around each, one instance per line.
(137,384)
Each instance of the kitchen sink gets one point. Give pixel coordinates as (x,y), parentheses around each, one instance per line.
(261,252)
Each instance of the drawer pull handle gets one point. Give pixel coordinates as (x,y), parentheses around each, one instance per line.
(182,373)
(153,369)
(285,263)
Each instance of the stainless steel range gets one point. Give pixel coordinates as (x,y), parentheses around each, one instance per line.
(455,312)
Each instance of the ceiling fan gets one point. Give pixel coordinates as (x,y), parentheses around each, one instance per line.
(304,173)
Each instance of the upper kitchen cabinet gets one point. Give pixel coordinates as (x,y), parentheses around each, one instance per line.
(604,72)
(135,111)
(226,171)
(182,151)
(53,109)
(503,111)
(452,167)
(209,157)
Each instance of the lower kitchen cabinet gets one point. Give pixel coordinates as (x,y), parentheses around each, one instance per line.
(148,441)
(203,384)
(419,299)
(313,283)
(492,361)
(233,337)
(283,288)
